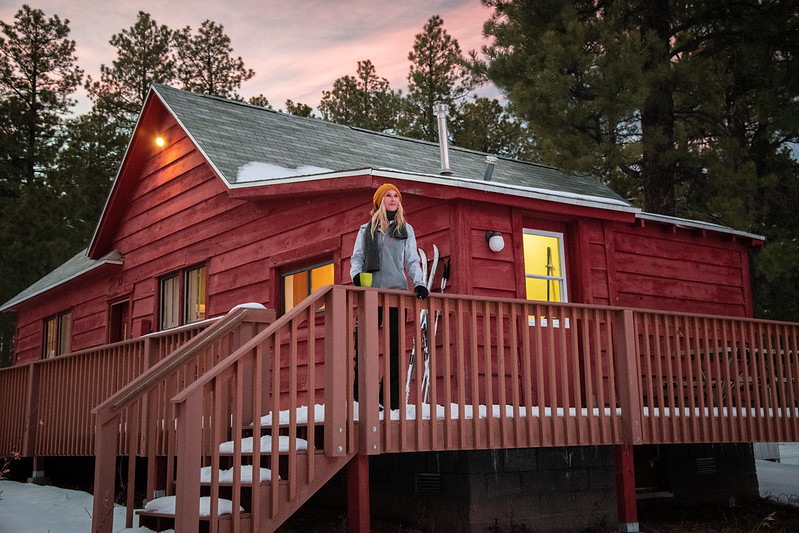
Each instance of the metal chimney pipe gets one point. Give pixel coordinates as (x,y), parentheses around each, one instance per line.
(491,161)
(441,110)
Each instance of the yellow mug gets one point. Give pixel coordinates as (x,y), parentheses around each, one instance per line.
(366,279)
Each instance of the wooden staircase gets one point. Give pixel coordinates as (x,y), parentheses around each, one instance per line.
(206,432)
(277,498)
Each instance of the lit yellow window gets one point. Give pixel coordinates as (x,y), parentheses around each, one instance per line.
(543,266)
(298,285)
(195,294)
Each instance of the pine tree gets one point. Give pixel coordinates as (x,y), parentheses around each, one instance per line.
(364,100)
(627,89)
(260,100)
(298,109)
(143,57)
(38,77)
(438,74)
(484,125)
(87,164)
(205,64)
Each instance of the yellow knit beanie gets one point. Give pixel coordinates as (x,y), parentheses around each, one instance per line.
(381,191)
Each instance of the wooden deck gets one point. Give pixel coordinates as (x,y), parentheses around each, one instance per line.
(503,374)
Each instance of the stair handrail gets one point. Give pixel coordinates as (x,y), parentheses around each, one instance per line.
(200,382)
(109,411)
(153,375)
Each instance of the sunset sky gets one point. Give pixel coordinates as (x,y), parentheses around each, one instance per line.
(296,47)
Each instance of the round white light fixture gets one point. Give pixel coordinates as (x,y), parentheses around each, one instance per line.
(160,142)
(495,241)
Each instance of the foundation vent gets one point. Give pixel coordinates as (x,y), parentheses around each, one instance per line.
(424,483)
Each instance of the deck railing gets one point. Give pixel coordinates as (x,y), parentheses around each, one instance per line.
(717,379)
(45,406)
(502,374)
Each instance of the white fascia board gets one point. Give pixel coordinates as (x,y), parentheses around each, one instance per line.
(453,181)
(698,224)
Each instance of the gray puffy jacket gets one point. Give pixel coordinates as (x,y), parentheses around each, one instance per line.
(396,255)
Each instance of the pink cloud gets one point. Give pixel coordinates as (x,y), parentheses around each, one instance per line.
(297,48)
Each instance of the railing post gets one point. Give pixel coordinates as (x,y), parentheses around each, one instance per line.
(187,507)
(628,376)
(105,450)
(336,368)
(368,375)
(631,412)
(31,415)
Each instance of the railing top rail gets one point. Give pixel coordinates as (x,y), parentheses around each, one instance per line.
(714,317)
(153,375)
(118,344)
(311,300)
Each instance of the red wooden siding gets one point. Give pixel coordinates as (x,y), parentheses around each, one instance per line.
(680,270)
(177,213)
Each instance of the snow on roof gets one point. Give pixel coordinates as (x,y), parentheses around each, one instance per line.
(259,171)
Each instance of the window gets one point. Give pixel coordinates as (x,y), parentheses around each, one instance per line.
(119,321)
(195,295)
(57,334)
(182,297)
(544,268)
(298,284)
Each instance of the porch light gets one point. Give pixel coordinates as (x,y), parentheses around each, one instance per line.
(495,241)
(160,142)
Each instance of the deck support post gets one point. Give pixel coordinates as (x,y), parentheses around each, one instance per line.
(105,451)
(358,494)
(625,489)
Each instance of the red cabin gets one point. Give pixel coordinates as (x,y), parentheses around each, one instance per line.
(239,204)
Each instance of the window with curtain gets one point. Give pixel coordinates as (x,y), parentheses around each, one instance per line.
(182,297)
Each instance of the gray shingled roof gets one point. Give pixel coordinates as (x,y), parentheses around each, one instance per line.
(74,267)
(232,134)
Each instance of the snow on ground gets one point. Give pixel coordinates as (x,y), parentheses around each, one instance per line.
(42,509)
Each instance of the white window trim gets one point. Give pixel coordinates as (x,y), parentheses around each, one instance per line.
(562,278)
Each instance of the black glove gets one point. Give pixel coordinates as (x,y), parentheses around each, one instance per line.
(421,291)
(357,280)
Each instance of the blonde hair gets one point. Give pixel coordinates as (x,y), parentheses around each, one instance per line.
(380,219)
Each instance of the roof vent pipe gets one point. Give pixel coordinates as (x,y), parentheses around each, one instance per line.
(491,161)
(441,112)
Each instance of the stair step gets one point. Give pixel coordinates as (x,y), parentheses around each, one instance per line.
(284,443)
(267,453)
(166,521)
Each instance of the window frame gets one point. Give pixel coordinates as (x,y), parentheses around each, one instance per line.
(176,296)
(308,269)
(562,280)
(62,334)
(119,320)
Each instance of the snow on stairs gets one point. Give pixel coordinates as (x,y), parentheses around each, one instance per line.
(277,503)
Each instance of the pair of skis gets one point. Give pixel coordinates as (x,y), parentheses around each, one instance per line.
(424,325)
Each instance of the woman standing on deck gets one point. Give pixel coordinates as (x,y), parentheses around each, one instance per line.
(384,250)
